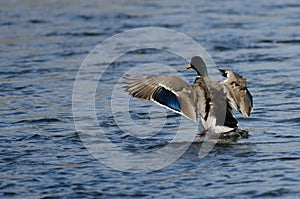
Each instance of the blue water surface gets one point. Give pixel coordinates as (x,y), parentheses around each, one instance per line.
(42,45)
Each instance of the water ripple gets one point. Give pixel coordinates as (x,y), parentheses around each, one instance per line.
(42,46)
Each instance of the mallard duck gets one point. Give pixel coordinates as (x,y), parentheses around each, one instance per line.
(212,101)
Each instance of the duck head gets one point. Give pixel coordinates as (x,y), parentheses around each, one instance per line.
(198,65)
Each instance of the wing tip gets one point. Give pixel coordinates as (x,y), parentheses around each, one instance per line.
(223,72)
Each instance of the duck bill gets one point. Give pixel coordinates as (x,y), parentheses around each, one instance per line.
(188,66)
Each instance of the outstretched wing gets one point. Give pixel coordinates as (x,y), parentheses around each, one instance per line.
(168,91)
(237,92)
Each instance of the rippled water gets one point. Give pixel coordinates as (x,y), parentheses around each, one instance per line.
(42,45)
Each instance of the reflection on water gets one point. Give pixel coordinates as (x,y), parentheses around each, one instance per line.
(42,45)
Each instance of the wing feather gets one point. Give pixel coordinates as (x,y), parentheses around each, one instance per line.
(168,91)
(237,93)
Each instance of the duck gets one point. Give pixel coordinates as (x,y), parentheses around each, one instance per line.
(207,100)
